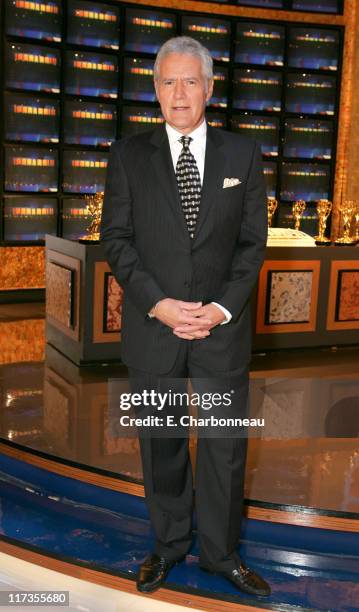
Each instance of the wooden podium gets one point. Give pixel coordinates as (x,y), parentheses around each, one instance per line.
(83,302)
(305,297)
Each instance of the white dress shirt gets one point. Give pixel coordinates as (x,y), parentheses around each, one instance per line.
(198,149)
(197,145)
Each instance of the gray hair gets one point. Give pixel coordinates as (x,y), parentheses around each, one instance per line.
(191,46)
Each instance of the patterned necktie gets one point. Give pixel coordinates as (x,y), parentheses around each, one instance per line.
(189,184)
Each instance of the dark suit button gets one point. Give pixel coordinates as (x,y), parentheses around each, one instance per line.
(186,284)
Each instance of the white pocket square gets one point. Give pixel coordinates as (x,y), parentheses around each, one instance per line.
(231,182)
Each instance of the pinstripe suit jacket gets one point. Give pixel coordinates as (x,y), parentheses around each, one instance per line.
(146,242)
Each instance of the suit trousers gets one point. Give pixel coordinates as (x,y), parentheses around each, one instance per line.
(219,472)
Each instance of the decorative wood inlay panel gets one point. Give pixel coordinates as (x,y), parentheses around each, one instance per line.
(107,301)
(349,296)
(22,340)
(59,285)
(347,160)
(289,297)
(113,311)
(65,313)
(289,303)
(22,268)
(343,303)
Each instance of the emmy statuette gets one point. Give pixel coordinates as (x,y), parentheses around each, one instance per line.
(272,204)
(324,208)
(94,207)
(298,209)
(347,209)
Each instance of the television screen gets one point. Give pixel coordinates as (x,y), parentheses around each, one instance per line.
(263,129)
(91,74)
(313,48)
(93,24)
(31,119)
(30,169)
(309,182)
(138,79)
(137,119)
(89,123)
(217,120)
(29,218)
(34,19)
(308,138)
(308,223)
(262,3)
(32,68)
(147,30)
(84,171)
(259,43)
(270,174)
(212,33)
(257,90)
(310,93)
(220,87)
(75,218)
(323,6)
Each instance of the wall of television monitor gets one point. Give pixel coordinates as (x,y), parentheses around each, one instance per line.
(78,75)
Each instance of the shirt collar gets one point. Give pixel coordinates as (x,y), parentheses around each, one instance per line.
(198,134)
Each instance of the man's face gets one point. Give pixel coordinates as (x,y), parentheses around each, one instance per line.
(181,91)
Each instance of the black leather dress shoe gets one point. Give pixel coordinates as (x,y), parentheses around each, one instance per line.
(153,572)
(245,580)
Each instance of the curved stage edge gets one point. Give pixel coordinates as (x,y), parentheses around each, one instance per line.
(101,535)
(262,511)
(124,584)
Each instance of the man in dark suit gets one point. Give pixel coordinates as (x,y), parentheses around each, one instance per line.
(184,228)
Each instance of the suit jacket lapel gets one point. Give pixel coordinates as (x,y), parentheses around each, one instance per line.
(162,162)
(213,175)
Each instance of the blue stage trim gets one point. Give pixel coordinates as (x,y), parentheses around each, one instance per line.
(311,569)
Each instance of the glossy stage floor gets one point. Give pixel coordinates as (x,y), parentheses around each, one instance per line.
(71,496)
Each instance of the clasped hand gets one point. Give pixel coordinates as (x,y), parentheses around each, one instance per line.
(189,320)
